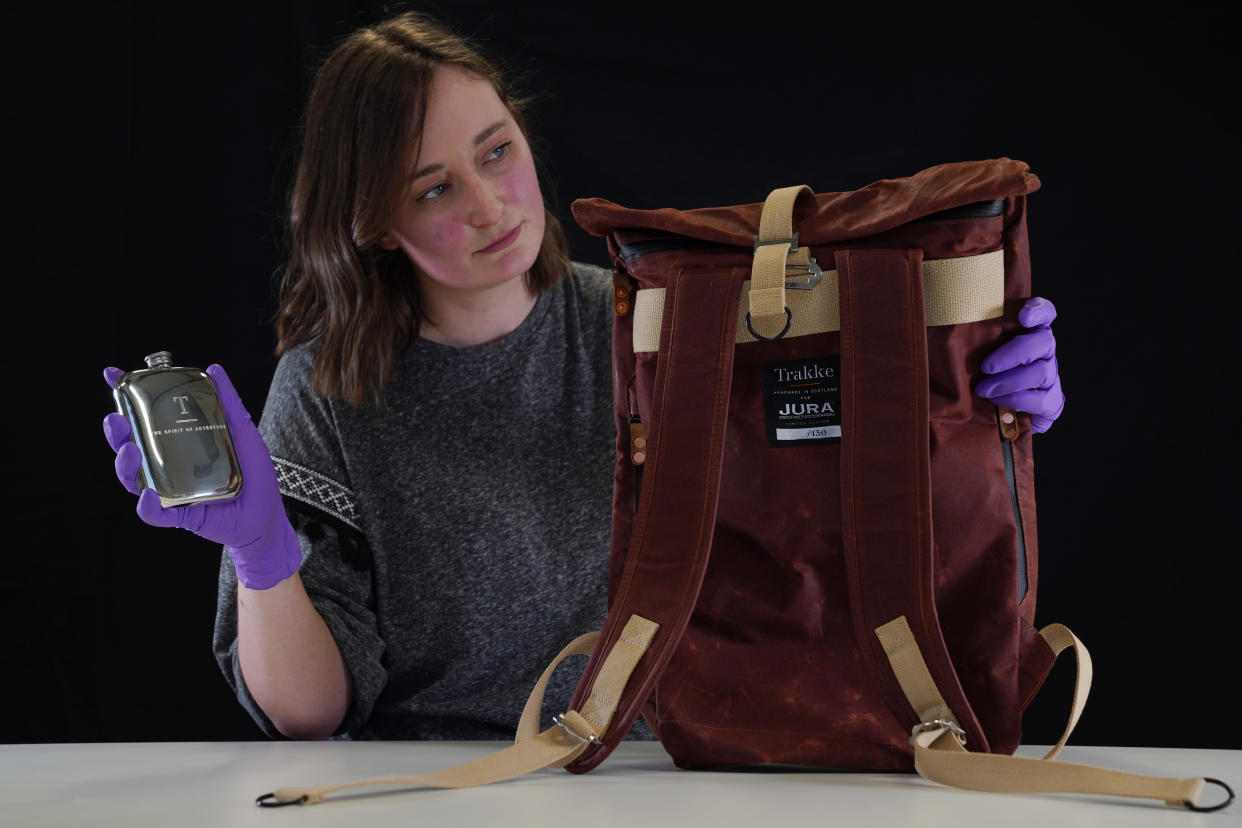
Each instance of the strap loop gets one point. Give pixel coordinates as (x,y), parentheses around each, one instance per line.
(776,252)
(947,761)
(1190,806)
(531,750)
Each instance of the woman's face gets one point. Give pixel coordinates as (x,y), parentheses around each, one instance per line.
(473,214)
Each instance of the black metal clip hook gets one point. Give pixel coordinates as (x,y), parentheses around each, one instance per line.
(263,802)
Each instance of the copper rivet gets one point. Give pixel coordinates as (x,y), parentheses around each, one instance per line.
(639,442)
(639,457)
(621,307)
(1007,418)
(620,293)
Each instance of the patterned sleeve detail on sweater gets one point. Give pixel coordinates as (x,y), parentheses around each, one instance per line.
(317,490)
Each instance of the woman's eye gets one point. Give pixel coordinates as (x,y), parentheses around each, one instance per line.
(435,192)
(499,151)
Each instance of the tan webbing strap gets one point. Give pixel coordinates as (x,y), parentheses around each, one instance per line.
(915,679)
(1058,638)
(776,249)
(956,291)
(606,692)
(940,756)
(531,750)
(528,725)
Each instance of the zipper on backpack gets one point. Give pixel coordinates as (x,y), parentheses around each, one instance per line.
(1007,421)
(631,251)
(977,209)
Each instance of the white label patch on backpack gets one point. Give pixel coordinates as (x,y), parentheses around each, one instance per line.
(802,401)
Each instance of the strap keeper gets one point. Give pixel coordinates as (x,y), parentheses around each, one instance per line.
(792,242)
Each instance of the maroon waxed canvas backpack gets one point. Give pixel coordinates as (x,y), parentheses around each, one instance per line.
(816,466)
(824,546)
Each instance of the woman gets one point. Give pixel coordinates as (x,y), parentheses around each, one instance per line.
(439,423)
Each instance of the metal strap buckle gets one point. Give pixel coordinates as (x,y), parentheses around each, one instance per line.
(563,725)
(813,269)
(938,724)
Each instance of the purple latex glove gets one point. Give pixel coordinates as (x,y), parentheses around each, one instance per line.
(1022,373)
(253,526)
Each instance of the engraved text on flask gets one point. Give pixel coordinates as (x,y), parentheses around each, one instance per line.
(179,427)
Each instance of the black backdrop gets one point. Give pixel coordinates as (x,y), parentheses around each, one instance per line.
(150,150)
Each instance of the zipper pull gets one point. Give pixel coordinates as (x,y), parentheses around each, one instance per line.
(1007,422)
(638,441)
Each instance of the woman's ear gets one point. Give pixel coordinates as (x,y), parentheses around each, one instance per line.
(387,241)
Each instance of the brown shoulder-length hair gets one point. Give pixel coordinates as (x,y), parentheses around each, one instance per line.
(360,302)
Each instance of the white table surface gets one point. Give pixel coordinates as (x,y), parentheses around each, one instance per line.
(184,784)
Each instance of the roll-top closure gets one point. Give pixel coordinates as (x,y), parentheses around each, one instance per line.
(828,217)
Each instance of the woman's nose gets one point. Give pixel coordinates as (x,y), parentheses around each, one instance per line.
(484,205)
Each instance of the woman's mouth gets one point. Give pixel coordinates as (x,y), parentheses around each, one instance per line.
(503,241)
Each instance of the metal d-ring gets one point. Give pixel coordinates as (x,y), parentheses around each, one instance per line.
(263,803)
(1203,810)
(784,330)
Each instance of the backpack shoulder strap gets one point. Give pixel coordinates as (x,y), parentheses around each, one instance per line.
(673,528)
(886,471)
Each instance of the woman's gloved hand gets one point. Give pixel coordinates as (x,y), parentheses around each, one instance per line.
(1022,373)
(252,526)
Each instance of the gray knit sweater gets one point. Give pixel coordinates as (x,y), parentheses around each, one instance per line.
(458,538)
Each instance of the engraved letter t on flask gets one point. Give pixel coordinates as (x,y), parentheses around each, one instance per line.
(179,427)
